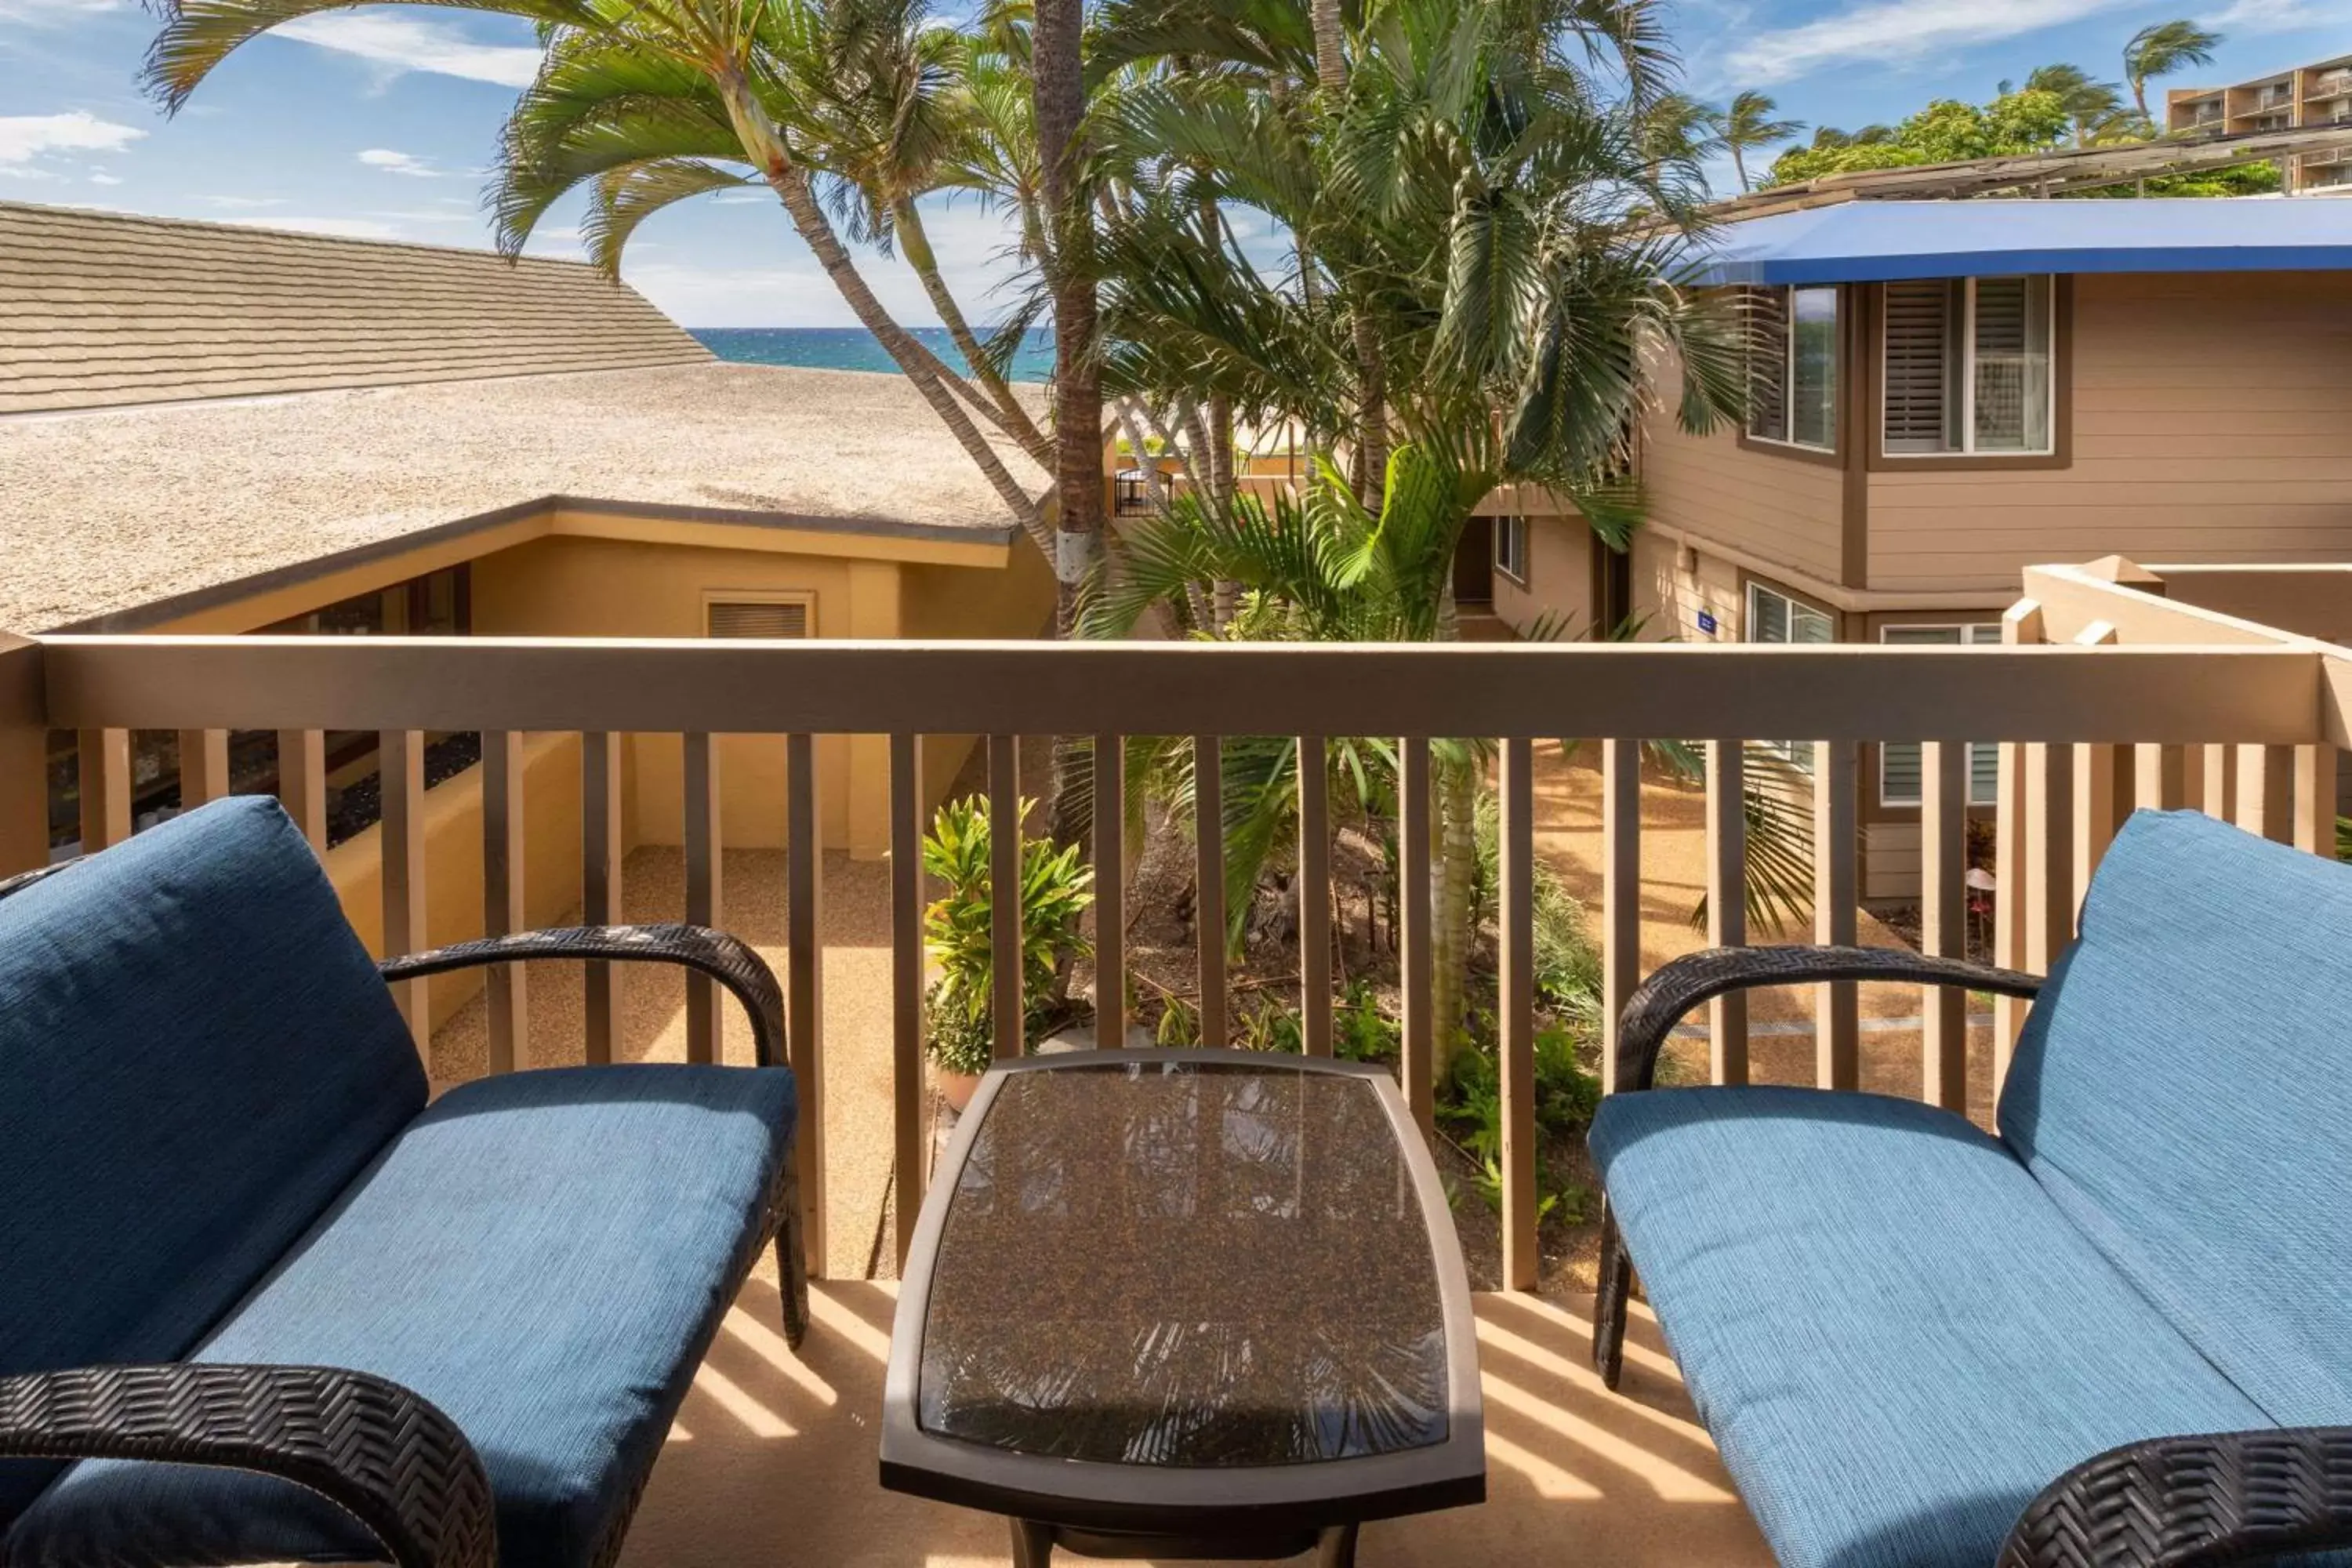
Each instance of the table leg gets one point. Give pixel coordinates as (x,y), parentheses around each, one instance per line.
(1335,1548)
(1033,1543)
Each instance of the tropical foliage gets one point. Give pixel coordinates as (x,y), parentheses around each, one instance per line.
(958,935)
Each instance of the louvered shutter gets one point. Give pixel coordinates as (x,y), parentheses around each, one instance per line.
(1922,370)
(785,618)
(1767,364)
(2013,367)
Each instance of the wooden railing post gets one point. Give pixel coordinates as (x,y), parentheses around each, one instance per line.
(805,981)
(24,758)
(2020,626)
(1209,876)
(705,895)
(203,767)
(1314,897)
(1837,1027)
(1418,1055)
(601,893)
(1726,902)
(1522,1202)
(1621,892)
(105,760)
(1944,918)
(908,1167)
(507,989)
(1008,1023)
(1111,891)
(302,782)
(400,784)
(2314,799)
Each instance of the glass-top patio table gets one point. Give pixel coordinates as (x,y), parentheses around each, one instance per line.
(1186,1304)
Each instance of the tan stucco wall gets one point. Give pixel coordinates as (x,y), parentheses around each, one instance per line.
(2212,418)
(453,860)
(1669,598)
(1559,578)
(1780,509)
(949,605)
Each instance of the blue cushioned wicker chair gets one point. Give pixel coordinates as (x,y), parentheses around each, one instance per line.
(2117,1333)
(353,1326)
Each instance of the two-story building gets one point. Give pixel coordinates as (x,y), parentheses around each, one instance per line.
(1943,393)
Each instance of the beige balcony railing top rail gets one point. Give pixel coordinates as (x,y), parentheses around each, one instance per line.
(2057,710)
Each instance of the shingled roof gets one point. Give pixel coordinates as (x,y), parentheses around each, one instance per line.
(103,308)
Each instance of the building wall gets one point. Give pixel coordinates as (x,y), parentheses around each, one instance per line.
(453,862)
(2212,422)
(952,603)
(1559,579)
(1674,587)
(1779,508)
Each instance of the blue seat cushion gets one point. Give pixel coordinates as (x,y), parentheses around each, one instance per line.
(545,1256)
(2183,1091)
(197,1058)
(1896,1339)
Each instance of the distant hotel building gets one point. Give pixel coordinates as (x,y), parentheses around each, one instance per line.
(2317,94)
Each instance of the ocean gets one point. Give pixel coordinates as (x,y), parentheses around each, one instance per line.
(855,348)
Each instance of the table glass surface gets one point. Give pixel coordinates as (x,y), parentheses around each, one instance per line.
(1185,1265)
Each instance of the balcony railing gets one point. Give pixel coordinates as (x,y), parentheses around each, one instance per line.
(2090,719)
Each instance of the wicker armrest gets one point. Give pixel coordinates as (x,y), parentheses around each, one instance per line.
(24,880)
(2187,1502)
(379,1453)
(724,958)
(1653,1011)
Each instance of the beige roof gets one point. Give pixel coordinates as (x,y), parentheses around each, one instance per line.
(99,309)
(106,511)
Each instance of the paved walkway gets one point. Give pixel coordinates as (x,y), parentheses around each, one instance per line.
(1673,878)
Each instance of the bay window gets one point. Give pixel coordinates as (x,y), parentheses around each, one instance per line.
(1968,366)
(1792,366)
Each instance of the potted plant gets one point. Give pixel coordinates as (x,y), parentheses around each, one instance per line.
(1055,889)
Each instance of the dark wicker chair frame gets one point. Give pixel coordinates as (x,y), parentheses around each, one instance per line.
(2167,1502)
(384,1456)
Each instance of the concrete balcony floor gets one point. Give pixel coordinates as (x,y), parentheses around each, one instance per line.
(773,1461)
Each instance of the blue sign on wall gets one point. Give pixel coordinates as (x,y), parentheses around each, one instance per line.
(1706,622)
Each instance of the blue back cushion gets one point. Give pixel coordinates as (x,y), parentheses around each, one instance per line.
(196,1056)
(2183,1091)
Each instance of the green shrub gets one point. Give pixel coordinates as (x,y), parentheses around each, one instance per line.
(1360,1032)
(1272,1027)
(1055,889)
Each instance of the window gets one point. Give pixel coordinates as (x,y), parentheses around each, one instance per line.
(1773,616)
(1899,761)
(1968,366)
(1792,365)
(1511,548)
(778,617)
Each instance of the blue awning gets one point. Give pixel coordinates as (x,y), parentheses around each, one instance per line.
(1870,241)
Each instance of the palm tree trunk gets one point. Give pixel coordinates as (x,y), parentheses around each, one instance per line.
(1330,61)
(915,244)
(1372,430)
(765,147)
(1056,72)
(1739,166)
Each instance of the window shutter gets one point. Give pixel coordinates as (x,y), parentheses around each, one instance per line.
(1767,364)
(2012,364)
(784,618)
(1922,399)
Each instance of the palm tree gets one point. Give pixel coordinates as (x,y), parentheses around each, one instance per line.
(1747,124)
(645,101)
(1057,74)
(2159,50)
(2090,104)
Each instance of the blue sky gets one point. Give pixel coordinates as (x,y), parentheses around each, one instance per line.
(377,123)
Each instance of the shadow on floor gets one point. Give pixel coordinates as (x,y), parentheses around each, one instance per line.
(773,1462)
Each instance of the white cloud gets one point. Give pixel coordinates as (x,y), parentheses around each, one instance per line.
(392,163)
(1890,32)
(396,43)
(243,204)
(53,12)
(103,178)
(2267,15)
(341,227)
(25,137)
